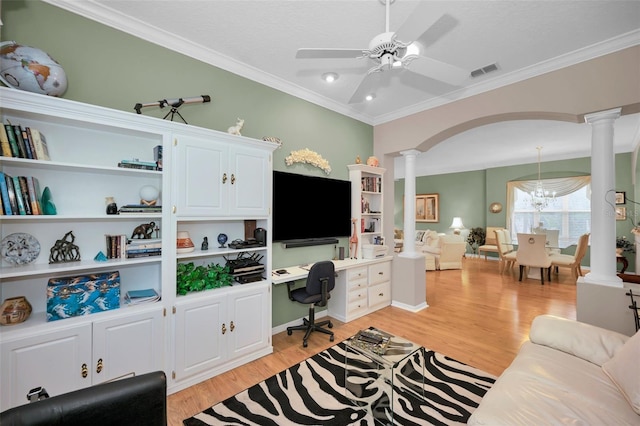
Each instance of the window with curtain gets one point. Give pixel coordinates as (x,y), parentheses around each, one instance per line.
(570,212)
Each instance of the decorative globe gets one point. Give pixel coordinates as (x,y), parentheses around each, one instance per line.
(31,69)
(222,239)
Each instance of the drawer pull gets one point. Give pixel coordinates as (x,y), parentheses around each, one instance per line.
(224,178)
(224,328)
(84,371)
(232,326)
(380,273)
(380,294)
(99,366)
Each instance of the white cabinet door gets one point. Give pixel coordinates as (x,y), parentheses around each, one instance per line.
(128,346)
(250,181)
(199,339)
(58,361)
(248,320)
(202,177)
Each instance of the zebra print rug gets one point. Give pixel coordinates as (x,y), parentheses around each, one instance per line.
(314,393)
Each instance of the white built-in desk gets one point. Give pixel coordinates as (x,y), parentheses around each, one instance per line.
(362,285)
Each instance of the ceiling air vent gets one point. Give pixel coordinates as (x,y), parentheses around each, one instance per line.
(484,70)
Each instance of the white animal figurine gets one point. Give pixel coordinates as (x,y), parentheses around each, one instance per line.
(235,130)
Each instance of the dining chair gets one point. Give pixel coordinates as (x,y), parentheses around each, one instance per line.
(572,261)
(532,253)
(506,253)
(553,245)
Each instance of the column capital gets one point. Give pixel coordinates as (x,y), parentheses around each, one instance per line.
(410,152)
(611,114)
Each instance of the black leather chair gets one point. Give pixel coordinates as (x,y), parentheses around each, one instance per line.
(139,400)
(320,281)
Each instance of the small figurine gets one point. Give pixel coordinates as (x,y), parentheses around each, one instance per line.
(205,244)
(143,231)
(353,242)
(358,160)
(235,130)
(112,207)
(64,250)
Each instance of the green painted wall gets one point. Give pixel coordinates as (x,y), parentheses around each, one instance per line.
(469,194)
(110,68)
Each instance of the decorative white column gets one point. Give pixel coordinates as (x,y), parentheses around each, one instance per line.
(603,187)
(409,230)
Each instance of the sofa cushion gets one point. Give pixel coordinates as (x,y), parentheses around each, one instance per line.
(545,386)
(624,370)
(593,344)
(420,237)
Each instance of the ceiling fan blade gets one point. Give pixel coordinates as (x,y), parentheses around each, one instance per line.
(438,70)
(369,84)
(319,53)
(420,20)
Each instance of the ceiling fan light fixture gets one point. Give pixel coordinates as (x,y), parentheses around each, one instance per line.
(370,97)
(330,77)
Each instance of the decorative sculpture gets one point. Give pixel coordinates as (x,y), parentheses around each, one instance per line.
(353,242)
(64,250)
(205,244)
(143,231)
(235,130)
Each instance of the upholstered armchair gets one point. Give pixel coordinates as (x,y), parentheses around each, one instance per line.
(442,251)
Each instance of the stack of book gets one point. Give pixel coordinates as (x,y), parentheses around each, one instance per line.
(137,164)
(116,246)
(139,209)
(20,195)
(22,142)
(143,248)
(136,297)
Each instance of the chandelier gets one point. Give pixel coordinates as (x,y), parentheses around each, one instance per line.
(540,197)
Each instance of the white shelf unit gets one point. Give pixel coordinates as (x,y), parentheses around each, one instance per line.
(367,203)
(85,144)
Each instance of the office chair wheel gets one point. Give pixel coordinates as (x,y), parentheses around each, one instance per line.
(304,344)
(289,332)
(331,338)
(330,325)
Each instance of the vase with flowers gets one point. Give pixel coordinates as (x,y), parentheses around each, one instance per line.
(624,246)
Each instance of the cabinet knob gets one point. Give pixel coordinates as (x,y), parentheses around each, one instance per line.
(380,273)
(84,371)
(224,328)
(380,294)
(233,178)
(232,326)
(224,178)
(99,366)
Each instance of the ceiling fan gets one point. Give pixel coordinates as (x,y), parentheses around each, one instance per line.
(389,50)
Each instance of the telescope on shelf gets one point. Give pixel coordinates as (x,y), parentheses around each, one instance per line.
(174,104)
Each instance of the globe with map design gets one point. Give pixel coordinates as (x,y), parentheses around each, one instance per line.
(31,69)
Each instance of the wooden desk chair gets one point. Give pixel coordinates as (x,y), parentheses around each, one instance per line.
(532,252)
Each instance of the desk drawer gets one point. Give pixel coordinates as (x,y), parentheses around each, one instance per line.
(357,307)
(380,295)
(360,284)
(356,274)
(357,294)
(380,272)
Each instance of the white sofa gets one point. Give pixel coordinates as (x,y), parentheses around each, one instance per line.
(441,251)
(568,373)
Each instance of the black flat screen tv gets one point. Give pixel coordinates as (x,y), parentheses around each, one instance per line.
(310,207)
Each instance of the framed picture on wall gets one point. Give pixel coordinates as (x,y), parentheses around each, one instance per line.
(621,198)
(427,208)
(621,213)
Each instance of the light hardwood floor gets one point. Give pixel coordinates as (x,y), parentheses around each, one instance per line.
(475,315)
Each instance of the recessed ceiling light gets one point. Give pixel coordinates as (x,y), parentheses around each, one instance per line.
(330,77)
(370,97)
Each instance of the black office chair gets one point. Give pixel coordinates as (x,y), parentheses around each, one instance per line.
(320,281)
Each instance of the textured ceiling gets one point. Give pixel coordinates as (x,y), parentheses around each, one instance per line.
(259,40)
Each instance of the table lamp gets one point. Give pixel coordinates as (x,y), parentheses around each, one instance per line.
(456,225)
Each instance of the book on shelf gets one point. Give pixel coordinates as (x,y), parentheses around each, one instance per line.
(138,166)
(24,193)
(40,145)
(115,246)
(135,297)
(139,208)
(4,192)
(144,253)
(17,130)
(13,143)
(15,181)
(34,195)
(5,147)
(27,143)
(143,246)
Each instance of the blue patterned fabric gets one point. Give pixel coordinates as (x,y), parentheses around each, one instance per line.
(69,297)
